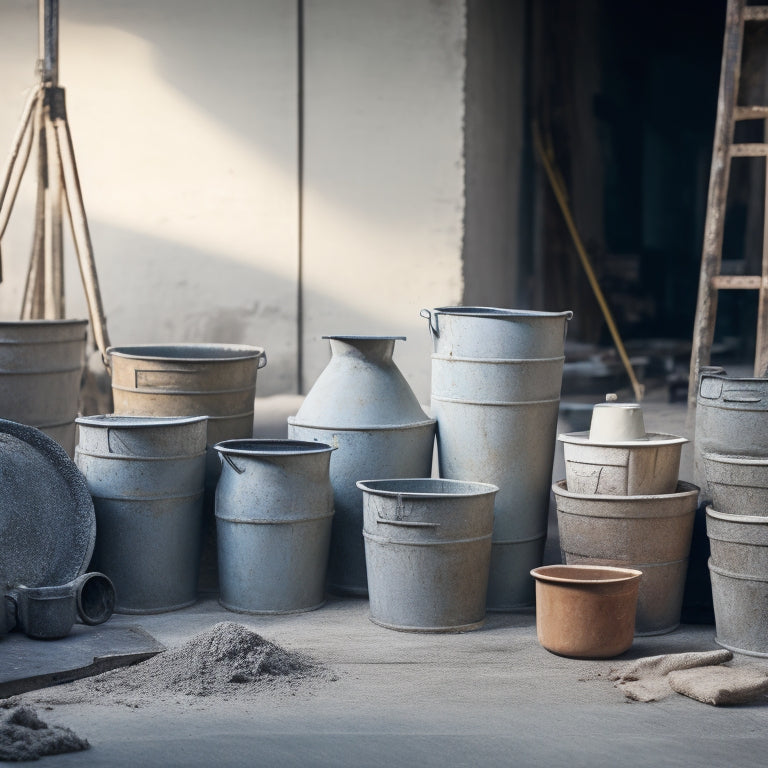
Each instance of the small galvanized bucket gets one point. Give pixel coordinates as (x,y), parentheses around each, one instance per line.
(738,484)
(146,476)
(738,568)
(274,509)
(428,552)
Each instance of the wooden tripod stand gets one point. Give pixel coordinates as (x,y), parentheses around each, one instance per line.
(44,127)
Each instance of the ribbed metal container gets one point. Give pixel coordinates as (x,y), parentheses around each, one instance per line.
(650,533)
(496,379)
(146,476)
(362,405)
(213,380)
(41,364)
(738,568)
(428,549)
(731,418)
(274,507)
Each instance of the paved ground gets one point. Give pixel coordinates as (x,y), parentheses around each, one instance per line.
(493,697)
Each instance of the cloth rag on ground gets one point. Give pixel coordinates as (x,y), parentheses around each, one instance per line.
(646,679)
(721,685)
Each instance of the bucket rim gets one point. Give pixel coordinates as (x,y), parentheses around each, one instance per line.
(164,352)
(651,440)
(265,446)
(682,490)
(480,489)
(353,337)
(42,322)
(724,517)
(499,312)
(616,574)
(126,421)
(732,458)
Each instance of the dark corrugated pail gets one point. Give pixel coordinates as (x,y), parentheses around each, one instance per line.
(146,476)
(427,552)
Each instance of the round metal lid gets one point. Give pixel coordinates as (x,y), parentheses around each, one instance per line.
(47,520)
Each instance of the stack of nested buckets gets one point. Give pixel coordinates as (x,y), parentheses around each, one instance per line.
(621,504)
(732,455)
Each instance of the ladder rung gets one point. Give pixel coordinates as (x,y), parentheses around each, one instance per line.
(750,113)
(744,282)
(749,150)
(756,13)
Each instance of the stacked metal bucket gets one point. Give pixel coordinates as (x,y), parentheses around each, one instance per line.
(732,456)
(621,505)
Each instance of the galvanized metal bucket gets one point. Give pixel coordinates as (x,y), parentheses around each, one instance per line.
(738,484)
(146,476)
(650,533)
(428,549)
(738,568)
(500,334)
(41,364)
(731,418)
(496,380)
(213,380)
(274,507)
(362,405)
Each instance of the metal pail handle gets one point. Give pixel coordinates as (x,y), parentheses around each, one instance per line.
(428,316)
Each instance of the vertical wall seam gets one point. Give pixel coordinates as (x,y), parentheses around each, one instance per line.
(300,197)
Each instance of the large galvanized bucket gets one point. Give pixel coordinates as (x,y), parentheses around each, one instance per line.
(213,380)
(428,549)
(146,476)
(738,568)
(274,507)
(650,533)
(496,380)
(41,364)
(731,418)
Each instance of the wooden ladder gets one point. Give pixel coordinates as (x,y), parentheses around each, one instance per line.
(724,149)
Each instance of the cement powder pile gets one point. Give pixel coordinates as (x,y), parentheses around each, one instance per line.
(24,736)
(225,662)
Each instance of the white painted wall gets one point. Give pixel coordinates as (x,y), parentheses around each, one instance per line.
(185,117)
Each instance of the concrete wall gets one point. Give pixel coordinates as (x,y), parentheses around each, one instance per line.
(185,116)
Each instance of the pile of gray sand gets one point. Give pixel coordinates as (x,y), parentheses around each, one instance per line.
(227,661)
(24,736)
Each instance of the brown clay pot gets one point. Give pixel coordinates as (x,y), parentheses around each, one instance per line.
(586,611)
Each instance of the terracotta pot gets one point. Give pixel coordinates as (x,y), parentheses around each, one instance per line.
(586,611)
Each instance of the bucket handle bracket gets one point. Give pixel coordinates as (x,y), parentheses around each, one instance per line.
(406,523)
(226,457)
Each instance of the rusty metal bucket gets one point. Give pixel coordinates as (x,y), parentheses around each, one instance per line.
(650,533)
(41,364)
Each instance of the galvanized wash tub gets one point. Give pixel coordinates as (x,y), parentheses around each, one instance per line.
(738,567)
(274,507)
(362,405)
(146,476)
(650,533)
(496,380)
(41,364)
(731,418)
(738,484)
(630,468)
(428,549)
(213,380)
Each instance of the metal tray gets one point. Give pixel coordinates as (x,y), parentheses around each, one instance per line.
(47,520)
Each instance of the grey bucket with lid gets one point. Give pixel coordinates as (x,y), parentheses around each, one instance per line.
(427,550)
(496,380)
(274,507)
(146,476)
(41,364)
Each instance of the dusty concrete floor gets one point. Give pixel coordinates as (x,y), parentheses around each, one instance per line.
(493,697)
